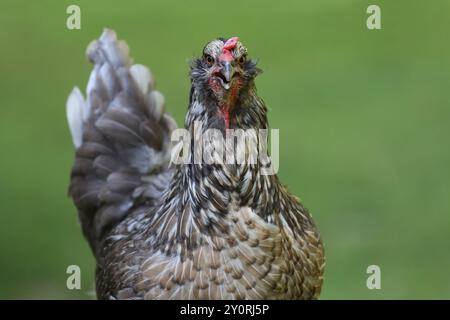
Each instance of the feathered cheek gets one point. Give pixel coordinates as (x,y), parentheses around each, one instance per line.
(237,84)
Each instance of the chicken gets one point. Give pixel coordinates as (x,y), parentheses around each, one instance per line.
(160,230)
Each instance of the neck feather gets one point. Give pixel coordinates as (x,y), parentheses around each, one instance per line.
(200,195)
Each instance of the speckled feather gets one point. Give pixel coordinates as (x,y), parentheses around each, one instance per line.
(187,231)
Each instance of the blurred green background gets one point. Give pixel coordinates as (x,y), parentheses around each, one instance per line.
(364,120)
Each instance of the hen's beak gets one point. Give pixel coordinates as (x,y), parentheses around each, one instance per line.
(227,70)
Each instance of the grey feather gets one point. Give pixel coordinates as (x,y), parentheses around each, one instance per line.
(120,134)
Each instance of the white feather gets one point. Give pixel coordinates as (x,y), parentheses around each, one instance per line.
(143,77)
(75,109)
(108,78)
(92,83)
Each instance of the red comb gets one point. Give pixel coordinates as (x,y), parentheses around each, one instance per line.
(227,47)
(231,43)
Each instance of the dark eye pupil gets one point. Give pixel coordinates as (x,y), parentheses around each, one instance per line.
(209,59)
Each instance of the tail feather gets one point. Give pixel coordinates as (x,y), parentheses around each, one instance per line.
(75,109)
(122,138)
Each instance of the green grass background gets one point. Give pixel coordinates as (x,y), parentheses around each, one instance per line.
(364,119)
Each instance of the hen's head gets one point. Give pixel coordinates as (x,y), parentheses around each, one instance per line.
(223,72)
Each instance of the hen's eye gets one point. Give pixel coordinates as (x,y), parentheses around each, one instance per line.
(242,59)
(209,60)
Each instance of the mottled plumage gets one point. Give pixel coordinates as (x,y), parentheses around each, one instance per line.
(187,231)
